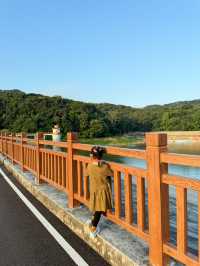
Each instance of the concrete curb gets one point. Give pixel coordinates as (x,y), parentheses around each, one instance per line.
(110,253)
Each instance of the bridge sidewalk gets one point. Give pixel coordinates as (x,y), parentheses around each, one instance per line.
(115,244)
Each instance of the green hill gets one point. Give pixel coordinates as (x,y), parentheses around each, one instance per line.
(34,112)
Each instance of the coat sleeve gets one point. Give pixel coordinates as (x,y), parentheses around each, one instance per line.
(109,171)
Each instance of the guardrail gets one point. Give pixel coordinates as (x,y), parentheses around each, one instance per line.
(62,164)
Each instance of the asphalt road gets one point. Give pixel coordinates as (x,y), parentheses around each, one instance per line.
(24,241)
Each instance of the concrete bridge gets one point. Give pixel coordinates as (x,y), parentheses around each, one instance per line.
(132,234)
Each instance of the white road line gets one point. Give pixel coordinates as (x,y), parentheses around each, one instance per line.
(57,236)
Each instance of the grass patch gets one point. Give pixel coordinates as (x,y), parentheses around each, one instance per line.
(119,141)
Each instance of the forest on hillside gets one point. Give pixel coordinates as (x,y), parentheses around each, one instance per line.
(20,111)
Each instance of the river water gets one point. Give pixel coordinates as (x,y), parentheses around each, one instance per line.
(183,147)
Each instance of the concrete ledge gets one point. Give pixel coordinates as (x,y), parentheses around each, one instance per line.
(117,246)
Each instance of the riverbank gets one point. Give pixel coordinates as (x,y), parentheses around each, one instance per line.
(119,141)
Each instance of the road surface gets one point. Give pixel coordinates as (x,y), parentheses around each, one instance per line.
(24,240)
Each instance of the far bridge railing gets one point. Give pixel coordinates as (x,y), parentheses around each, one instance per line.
(141,195)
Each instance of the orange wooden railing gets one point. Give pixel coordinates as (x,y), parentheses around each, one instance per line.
(63,167)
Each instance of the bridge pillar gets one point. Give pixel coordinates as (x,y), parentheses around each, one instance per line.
(6,144)
(71,173)
(23,135)
(158,198)
(12,148)
(38,137)
(1,134)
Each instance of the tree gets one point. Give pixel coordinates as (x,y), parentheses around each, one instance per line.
(34,112)
(98,128)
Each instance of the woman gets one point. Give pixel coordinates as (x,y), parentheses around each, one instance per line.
(100,187)
(56,136)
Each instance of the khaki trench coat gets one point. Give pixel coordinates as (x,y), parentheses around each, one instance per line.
(100,187)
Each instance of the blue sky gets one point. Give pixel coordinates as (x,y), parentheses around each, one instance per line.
(125,52)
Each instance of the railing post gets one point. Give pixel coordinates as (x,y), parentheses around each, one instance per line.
(6,145)
(1,143)
(157,198)
(12,148)
(2,135)
(39,135)
(71,178)
(22,151)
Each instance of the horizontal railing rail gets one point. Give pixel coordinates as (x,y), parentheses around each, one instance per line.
(141,196)
(181,159)
(139,154)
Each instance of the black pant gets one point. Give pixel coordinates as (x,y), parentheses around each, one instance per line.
(96,218)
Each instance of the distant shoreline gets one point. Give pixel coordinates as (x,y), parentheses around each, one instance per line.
(120,141)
